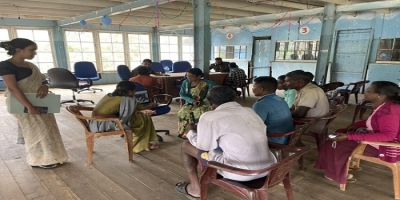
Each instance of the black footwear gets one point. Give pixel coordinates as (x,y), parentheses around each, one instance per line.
(122,136)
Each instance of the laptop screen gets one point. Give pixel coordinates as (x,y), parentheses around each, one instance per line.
(142,96)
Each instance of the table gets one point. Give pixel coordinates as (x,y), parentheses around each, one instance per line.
(167,82)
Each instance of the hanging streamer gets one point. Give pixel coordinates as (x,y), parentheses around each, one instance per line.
(180,14)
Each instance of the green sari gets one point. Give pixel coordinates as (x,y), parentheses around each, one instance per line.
(190,94)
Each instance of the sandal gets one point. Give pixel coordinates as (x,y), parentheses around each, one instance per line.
(350,178)
(182,137)
(355,168)
(46,166)
(181,189)
(152,147)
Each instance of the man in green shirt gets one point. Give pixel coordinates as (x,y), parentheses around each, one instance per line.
(290,94)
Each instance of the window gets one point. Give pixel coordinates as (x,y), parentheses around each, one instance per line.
(44,58)
(389,50)
(80,47)
(296,50)
(4,36)
(230,52)
(187,53)
(139,49)
(112,50)
(169,48)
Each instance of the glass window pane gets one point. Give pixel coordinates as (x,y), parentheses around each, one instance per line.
(397,43)
(164,48)
(173,48)
(116,37)
(72,36)
(118,47)
(45,57)
(108,66)
(134,47)
(4,36)
(144,56)
(87,47)
(86,36)
(119,57)
(75,57)
(165,56)
(107,57)
(28,34)
(164,39)
(89,57)
(106,47)
(44,46)
(134,56)
(173,39)
(144,38)
(174,56)
(384,55)
(144,48)
(133,38)
(386,44)
(105,37)
(41,35)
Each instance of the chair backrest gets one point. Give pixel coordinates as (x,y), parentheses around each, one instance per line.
(157,67)
(181,66)
(62,78)
(76,111)
(358,85)
(139,86)
(336,101)
(167,63)
(331,86)
(123,72)
(296,136)
(85,69)
(335,111)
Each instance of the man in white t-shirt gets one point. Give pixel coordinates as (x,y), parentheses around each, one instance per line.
(230,134)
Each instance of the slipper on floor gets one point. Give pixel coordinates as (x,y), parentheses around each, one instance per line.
(349,180)
(46,166)
(181,189)
(354,168)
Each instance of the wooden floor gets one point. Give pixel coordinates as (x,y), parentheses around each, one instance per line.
(152,175)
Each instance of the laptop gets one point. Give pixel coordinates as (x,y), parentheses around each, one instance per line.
(143,97)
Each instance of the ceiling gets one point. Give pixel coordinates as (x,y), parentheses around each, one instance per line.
(176,12)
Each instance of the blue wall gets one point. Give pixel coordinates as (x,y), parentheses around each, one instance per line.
(383,26)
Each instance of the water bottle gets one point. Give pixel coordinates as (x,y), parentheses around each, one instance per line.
(166,69)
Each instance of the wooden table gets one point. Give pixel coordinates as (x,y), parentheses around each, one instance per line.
(167,82)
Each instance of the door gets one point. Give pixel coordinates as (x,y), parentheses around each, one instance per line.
(351,55)
(261,57)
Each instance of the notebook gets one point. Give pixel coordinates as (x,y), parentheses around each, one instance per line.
(143,97)
(49,104)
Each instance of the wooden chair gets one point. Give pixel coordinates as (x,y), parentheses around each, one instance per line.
(256,189)
(360,109)
(336,101)
(355,90)
(90,136)
(294,140)
(331,86)
(392,148)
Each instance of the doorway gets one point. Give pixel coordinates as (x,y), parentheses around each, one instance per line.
(260,60)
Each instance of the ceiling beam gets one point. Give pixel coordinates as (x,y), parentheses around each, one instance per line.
(300,6)
(97,3)
(132,5)
(376,5)
(43,5)
(343,2)
(26,22)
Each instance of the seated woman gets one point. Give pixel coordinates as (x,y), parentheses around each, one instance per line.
(193,92)
(122,104)
(382,126)
(146,80)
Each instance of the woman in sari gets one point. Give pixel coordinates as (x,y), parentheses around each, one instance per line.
(136,117)
(43,142)
(193,92)
(382,126)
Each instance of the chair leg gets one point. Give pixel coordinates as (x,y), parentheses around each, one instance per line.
(90,146)
(204,191)
(248,91)
(128,142)
(356,111)
(356,97)
(300,163)
(288,187)
(346,98)
(396,181)
(243,92)
(343,186)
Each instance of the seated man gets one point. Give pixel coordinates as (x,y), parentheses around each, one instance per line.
(237,77)
(145,63)
(310,100)
(289,94)
(272,109)
(219,66)
(231,134)
(146,80)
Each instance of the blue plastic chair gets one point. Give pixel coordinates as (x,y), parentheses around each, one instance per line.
(167,63)
(124,73)
(181,66)
(157,67)
(2,85)
(85,71)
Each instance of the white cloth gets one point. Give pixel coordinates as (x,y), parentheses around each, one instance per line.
(240,133)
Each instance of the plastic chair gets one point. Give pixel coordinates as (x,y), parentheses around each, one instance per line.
(124,73)
(64,79)
(392,149)
(90,136)
(331,86)
(181,66)
(167,63)
(360,109)
(86,70)
(157,67)
(355,90)
(256,189)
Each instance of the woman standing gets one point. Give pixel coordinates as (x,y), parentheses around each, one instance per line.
(43,142)
(122,104)
(193,91)
(382,126)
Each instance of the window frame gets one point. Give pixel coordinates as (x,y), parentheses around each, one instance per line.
(9,36)
(128,49)
(231,52)
(67,52)
(296,43)
(392,50)
(124,40)
(179,38)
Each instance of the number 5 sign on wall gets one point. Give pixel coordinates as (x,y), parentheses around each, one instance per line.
(304,30)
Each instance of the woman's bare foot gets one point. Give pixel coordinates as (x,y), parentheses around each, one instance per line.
(151,147)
